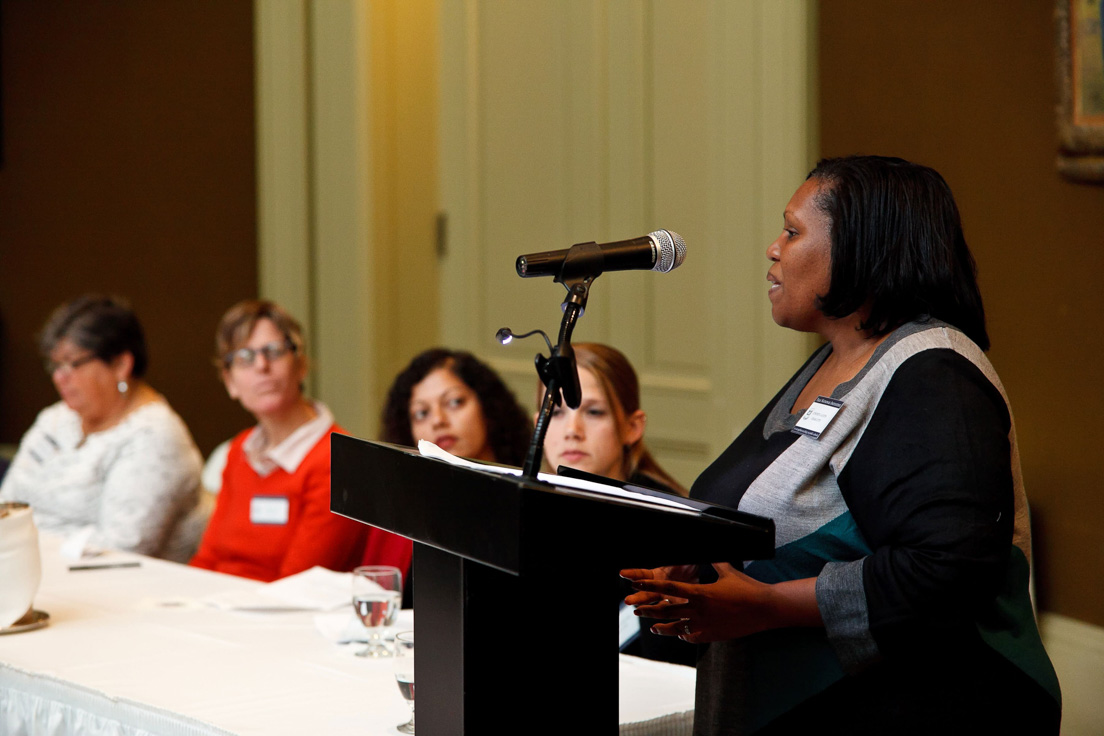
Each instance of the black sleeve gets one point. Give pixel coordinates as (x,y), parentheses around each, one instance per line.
(930,486)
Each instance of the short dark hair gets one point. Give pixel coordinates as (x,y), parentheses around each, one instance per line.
(508,426)
(103,325)
(237,325)
(897,246)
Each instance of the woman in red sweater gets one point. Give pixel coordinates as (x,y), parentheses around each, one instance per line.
(273,514)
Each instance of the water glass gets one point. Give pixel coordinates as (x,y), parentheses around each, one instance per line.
(377,598)
(404,674)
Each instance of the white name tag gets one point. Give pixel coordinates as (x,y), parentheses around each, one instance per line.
(269,509)
(818,416)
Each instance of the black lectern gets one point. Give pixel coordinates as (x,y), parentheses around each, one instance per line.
(516,580)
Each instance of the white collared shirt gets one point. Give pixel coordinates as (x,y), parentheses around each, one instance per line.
(289,453)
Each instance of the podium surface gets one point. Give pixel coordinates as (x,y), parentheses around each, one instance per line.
(516,580)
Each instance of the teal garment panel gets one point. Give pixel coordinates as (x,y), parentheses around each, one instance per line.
(790,666)
(837,541)
(793,665)
(1009,627)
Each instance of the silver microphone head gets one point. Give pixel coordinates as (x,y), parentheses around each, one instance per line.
(672,250)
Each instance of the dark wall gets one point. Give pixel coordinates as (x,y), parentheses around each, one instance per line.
(128,168)
(969,88)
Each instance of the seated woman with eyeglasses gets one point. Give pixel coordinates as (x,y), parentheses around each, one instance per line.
(112,455)
(273,514)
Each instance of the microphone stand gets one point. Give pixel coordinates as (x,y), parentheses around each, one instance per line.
(559,372)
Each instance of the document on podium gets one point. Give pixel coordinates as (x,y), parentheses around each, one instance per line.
(429,449)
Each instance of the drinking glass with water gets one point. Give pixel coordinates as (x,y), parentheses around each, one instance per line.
(377,598)
(404,674)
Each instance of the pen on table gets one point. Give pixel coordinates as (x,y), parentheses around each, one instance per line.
(103,566)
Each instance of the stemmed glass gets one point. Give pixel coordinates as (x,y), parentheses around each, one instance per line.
(404,674)
(377,598)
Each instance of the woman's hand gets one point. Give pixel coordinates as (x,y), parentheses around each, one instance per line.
(681,573)
(734,606)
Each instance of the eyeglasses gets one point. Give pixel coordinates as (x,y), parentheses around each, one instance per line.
(65,367)
(245,357)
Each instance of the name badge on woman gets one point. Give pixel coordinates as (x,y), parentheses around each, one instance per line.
(817,417)
(269,509)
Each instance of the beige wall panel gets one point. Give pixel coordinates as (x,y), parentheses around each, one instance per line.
(534,138)
(628,173)
(459,160)
(786,149)
(283,162)
(571,121)
(316,243)
(404,47)
(346,375)
(759,142)
(733,240)
(679,184)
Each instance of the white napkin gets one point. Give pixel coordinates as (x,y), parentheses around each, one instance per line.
(345,627)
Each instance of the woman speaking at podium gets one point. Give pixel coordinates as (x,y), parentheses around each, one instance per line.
(897,599)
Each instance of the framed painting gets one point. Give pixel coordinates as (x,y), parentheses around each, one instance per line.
(1080,45)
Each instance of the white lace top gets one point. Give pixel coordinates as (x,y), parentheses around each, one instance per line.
(132,482)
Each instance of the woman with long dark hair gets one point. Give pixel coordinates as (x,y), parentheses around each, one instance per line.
(453,399)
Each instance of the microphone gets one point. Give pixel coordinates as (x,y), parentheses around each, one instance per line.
(660,251)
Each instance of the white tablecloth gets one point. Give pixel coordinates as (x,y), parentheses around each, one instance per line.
(133,651)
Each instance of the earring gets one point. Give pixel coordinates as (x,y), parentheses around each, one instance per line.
(123,387)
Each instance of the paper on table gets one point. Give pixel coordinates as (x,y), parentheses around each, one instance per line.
(76,544)
(316,589)
(429,449)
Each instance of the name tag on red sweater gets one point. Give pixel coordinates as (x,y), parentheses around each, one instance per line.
(269,509)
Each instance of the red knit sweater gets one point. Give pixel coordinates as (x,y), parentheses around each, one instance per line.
(313,535)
